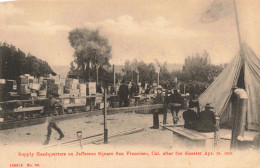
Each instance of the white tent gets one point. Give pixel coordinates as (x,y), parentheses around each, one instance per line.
(243,72)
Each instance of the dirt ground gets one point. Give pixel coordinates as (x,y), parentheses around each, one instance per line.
(36,135)
(89,126)
(154,142)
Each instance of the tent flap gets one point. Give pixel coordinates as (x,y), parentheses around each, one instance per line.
(252,84)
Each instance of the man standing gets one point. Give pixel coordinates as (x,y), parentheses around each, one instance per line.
(123,94)
(175,101)
(159,99)
(50,110)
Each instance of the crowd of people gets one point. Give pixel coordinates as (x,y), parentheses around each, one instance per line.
(203,121)
(194,119)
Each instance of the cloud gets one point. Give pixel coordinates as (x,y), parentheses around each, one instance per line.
(128,26)
(146,39)
(46,27)
(7,10)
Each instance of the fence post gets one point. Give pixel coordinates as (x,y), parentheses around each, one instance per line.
(216,133)
(165,108)
(105,117)
(155,119)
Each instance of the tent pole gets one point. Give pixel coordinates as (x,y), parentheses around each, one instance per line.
(237,23)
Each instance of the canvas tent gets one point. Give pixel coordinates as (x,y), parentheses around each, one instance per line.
(243,72)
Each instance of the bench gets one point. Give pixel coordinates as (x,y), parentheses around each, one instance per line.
(71,107)
(26,109)
(23,111)
(74,105)
(190,138)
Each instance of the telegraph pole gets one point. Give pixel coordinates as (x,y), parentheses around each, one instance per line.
(237,23)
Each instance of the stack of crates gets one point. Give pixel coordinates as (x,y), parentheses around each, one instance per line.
(43,88)
(50,83)
(42,93)
(53,88)
(23,85)
(82,89)
(71,87)
(57,89)
(91,88)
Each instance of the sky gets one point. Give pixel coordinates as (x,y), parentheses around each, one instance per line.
(166,30)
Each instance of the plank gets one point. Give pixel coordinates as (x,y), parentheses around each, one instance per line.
(190,134)
(74,105)
(15,101)
(27,109)
(136,108)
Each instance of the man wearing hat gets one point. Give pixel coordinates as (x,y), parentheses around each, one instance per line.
(123,94)
(50,110)
(207,120)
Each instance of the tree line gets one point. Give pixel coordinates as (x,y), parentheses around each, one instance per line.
(194,78)
(92,53)
(14,62)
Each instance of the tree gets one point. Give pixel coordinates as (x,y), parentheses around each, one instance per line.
(197,74)
(14,62)
(92,50)
(164,75)
(199,68)
(146,71)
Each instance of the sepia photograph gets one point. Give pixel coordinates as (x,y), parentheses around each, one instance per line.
(129,83)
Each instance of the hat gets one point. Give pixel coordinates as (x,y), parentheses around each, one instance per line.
(208,106)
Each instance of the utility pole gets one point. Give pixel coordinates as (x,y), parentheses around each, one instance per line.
(97,66)
(105,117)
(237,23)
(158,77)
(114,78)
(137,80)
